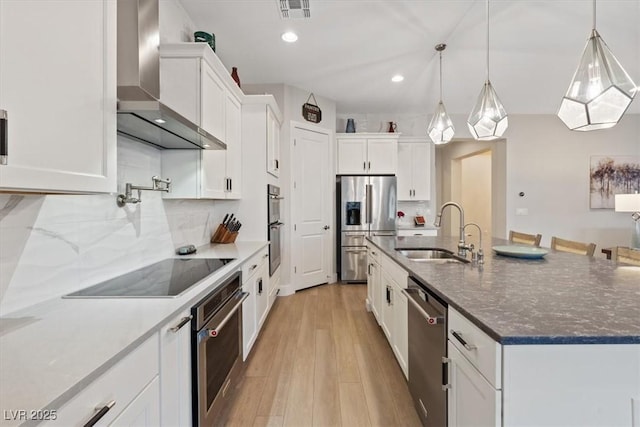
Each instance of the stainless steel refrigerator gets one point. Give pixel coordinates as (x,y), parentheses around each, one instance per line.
(367,206)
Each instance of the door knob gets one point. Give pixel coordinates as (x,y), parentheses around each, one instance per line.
(326,227)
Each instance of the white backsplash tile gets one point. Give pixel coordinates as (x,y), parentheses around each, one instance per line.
(55,244)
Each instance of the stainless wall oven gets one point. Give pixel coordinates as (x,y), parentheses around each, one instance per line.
(216,344)
(274,226)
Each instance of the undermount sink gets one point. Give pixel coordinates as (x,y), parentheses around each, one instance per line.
(431,255)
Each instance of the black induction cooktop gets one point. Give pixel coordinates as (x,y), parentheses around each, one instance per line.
(167,278)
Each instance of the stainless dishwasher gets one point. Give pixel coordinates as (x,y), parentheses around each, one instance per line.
(428,370)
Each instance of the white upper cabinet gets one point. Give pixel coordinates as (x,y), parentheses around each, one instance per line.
(414,169)
(367,154)
(59,94)
(195,83)
(273,143)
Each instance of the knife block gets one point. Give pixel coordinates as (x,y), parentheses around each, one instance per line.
(222,235)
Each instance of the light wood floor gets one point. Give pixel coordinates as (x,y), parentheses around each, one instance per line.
(321,360)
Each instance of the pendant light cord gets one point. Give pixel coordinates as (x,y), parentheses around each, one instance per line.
(440,76)
(488,40)
(594,14)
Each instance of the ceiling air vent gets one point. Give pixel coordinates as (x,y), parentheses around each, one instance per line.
(294,9)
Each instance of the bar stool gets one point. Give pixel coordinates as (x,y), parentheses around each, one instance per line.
(573,247)
(627,255)
(524,238)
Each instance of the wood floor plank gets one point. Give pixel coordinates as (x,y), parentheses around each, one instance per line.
(242,410)
(268,421)
(326,403)
(274,400)
(299,408)
(344,333)
(353,406)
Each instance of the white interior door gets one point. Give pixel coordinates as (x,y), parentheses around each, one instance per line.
(311,208)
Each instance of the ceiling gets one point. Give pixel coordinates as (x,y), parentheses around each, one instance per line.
(349,49)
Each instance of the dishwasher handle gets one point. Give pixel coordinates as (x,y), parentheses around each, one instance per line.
(431,320)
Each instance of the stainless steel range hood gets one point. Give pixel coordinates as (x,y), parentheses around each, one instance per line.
(141,114)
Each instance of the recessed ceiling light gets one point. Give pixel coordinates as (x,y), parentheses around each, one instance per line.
(159,121)
(397,78)
(289,37)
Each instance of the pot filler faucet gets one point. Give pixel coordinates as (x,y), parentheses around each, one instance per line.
(462,246)
(159,184)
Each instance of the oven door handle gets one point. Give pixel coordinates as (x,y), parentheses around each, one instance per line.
(212,333)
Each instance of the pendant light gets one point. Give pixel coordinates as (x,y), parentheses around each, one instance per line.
(600,91)
(488,119)
(440,128)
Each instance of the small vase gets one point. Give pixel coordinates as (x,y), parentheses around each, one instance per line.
(351,126)
(234,76)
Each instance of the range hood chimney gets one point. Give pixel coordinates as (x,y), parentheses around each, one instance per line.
(141,114)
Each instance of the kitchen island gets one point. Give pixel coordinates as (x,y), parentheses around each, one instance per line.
(566,332)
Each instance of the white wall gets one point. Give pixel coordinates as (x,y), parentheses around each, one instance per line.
(550,164)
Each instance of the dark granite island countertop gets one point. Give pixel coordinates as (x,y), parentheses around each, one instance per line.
(560,299)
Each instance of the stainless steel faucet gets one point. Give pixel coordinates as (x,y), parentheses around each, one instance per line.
(159,184)
(477,256)
(462,246)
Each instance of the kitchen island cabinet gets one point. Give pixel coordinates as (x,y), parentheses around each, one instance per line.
(59,96)
(554,341)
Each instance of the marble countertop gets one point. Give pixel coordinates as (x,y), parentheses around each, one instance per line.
(49,352)
(560,299)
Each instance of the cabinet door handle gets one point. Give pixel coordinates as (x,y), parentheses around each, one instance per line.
(277,164)
(364,166)
(369,269)
(253,267)
(465,344)
(369,165)
(265,256)
(260,286)
(183,322)
(445,374)
(388,296)
(4,137)
(230,184)
(101,413)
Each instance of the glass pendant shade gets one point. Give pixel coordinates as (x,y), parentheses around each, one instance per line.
(600,91)
(441,128)
(488,119)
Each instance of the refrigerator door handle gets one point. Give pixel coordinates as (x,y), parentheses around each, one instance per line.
(368,192)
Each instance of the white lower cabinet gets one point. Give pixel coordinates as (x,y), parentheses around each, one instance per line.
(175,371)
(144,411)
(417,232)
(472,400)
(374,285)
(393,313)
(129,390)
(255,281)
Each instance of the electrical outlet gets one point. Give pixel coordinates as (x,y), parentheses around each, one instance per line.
(522,211)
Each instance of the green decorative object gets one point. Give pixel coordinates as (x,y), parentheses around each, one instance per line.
(209,38)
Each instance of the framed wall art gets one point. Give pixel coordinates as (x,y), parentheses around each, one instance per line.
(611,175)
